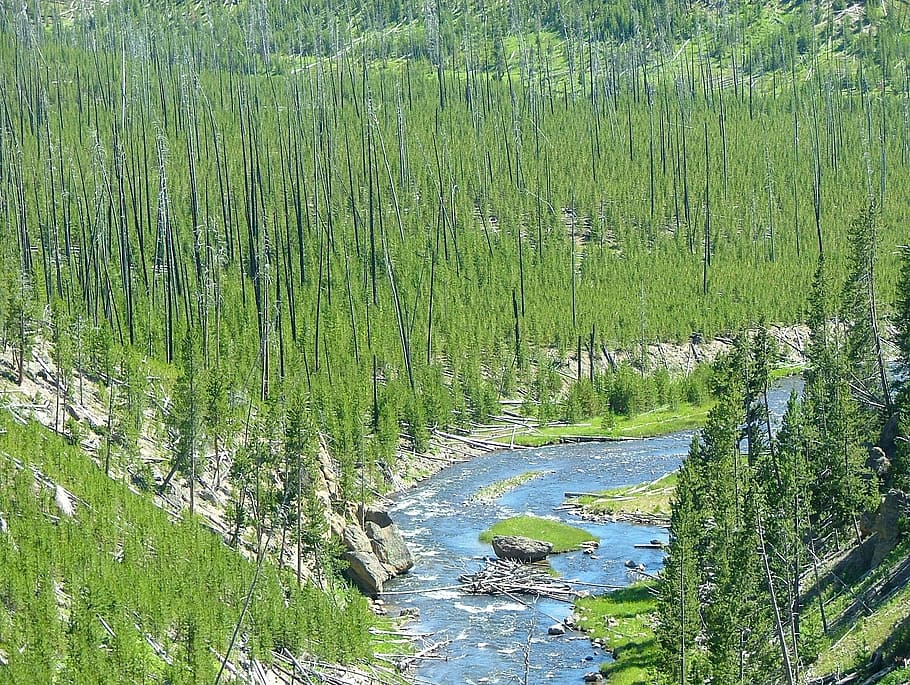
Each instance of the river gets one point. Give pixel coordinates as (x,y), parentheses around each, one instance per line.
(441,521)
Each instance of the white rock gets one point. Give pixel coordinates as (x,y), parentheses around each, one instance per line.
(63,502)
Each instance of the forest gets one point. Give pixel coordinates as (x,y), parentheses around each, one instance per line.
(767,523)
(258,232)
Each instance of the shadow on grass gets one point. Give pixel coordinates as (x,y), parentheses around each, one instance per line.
(636,663)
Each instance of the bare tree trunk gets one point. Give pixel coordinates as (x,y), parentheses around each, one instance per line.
(778,626)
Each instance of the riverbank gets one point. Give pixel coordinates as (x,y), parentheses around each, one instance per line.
(644,504)
(648,424)
(621,623)
(512,432)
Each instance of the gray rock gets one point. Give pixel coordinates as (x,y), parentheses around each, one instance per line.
(887,525)
(878,462)
(556,629)
(520,548)
(365,571)
(410,613)
(356,540)
(593,677)
(389,547)
(376,515)
(891,431)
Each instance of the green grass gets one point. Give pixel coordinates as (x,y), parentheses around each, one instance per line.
(853,649)
(563,537)
(623,620)
(646,498)
(898,677)
(492,491)
(660,421)
(787,371)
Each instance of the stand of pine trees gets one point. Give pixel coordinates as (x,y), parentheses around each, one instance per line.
(758,507)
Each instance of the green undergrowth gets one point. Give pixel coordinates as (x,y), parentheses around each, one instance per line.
(653,498)
(622,619)
(83,598)
(563,537)
(660,421)
(492,491)
(879,625)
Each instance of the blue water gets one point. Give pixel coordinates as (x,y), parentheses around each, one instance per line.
(489,635)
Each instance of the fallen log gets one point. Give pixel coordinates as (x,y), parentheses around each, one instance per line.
(570,439)
(506,577)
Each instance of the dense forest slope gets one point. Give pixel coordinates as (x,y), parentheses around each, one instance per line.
(257,229)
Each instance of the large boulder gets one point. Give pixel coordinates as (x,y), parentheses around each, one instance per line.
(366,572)
(520,548)
(373,514)
(355,539)
(894,508)
(375,552)
(389,547)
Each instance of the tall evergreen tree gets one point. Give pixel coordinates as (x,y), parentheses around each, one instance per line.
(863,346)
(185,417)
(834,460)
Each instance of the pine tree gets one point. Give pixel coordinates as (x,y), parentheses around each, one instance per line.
(834,460)
(185,417)
(902,316)
(680,624)
(863,347)
(901,456)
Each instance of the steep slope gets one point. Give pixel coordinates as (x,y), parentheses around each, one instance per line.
(100,585)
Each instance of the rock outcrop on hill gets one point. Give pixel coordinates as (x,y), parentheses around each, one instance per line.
(374,550)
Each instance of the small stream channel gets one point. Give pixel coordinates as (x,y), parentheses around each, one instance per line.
(489,635)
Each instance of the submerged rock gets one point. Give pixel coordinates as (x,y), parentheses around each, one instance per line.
(520,548)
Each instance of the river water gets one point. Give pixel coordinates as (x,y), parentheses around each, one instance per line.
(496,639)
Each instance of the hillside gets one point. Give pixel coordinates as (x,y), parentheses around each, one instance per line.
(257,260)
(101,585)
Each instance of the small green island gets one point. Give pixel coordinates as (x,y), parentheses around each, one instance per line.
(563,537)
(650,501)
(494,490)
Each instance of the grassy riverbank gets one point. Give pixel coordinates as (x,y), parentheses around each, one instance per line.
(564,538)
(669,418)
(660,421)
(622,620)
(649,499)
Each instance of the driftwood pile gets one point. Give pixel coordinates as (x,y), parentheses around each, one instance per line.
(506,577)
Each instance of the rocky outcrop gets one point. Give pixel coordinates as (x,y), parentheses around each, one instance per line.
(881,530)
(389,547)
(886,527)
(366,572)
(879,463)
(520,548)
(374,550)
